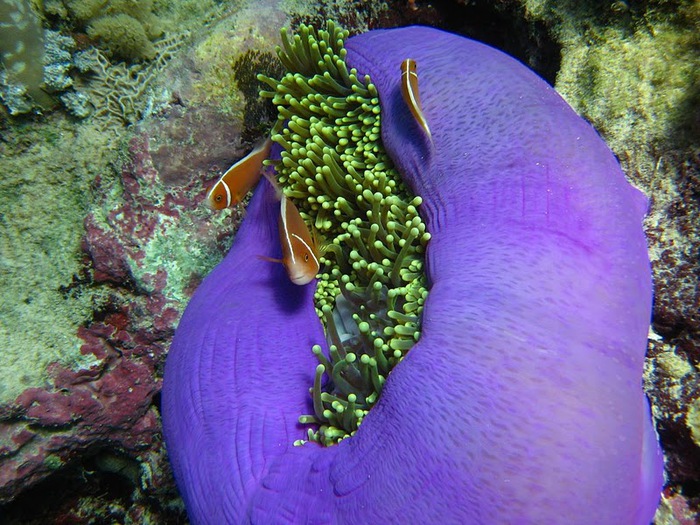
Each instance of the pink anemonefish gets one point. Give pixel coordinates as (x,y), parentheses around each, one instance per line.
(409,90)
(239,179)
(300,252)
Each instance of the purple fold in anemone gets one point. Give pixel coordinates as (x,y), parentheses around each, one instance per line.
(522,401)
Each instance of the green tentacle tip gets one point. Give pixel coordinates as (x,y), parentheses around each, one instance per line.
(335,169)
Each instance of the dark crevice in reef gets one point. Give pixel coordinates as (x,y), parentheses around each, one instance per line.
(62,495)
(157,397)
(682,458)
(502,24)
(98,489)
(259,113)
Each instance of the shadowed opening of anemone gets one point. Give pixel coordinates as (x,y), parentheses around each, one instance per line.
(333,166)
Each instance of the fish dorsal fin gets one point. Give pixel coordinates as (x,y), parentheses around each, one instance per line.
(270,176)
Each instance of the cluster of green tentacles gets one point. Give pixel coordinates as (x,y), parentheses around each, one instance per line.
(333,166)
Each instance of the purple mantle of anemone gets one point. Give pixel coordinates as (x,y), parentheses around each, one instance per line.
(522,401)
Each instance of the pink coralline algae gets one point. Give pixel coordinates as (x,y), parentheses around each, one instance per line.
(139,221)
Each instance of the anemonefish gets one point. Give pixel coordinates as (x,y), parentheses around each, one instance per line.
(299,249)
(239,179)
(409,90)
(300,252)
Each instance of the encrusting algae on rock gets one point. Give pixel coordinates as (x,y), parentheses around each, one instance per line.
(371,286)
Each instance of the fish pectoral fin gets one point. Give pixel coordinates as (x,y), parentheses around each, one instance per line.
(269,259)
(273,181)
(319,241)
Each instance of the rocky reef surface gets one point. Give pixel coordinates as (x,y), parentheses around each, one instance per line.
(105,237)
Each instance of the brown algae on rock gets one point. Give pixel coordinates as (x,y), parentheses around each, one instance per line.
(371,287)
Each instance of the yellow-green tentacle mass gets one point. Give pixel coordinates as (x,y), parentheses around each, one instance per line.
(334,167)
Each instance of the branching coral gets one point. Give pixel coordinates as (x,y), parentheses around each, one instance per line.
(372,289)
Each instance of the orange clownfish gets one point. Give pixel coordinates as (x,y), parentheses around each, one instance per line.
(239,179)
(409,90)
(300,251)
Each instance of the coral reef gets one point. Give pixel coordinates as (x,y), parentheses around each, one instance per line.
(628,66)
(114,79)
(58,61)
(136,284)
(110,223)
(123,94)
(124,37)
(131,289)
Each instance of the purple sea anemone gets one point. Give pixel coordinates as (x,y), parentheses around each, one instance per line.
(520,403)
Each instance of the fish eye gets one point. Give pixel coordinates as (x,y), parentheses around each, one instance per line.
(218,198)
(306,257)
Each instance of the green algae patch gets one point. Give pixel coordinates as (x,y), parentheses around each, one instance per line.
(634,84)
(43,198)
(371,286)
(632,69)
(53,462)
(174,250)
